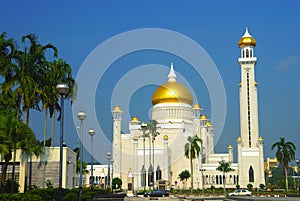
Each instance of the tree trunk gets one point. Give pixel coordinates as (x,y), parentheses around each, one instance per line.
(192,171)
(13,170)
(52,128)
(45,126)
(30,169)
(224,180)
(3,176)
(286,179)
(27,117)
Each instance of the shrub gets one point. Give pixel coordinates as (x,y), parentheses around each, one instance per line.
(262,186)
(249,186)
(7,186)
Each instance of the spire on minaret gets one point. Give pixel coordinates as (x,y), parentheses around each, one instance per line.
(247,34)
(172,75)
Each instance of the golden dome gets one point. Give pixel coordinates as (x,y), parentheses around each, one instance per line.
(172,92)
(117,108)
(239,139)
(229,146)
(207,123)
(196,106)
(135,119)
(247,40)
(203,117)
(166,137)
(260,138)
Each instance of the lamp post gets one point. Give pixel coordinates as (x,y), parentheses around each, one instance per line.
(62,90)
(81,116)
(112,169)
(92,133)
(202,179)
(144,126)
(298,163)
(108,170)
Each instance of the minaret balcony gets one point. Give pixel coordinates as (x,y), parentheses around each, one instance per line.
(249,60)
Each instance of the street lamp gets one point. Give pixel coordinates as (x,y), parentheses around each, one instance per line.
(202,179)
(81,116)
(92,133)
(108,171)
(112,169)
(62,90)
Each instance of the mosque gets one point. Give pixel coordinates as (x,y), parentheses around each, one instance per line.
(146,163)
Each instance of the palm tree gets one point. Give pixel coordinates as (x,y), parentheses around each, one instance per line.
(191,151)
(153,133)
(285,153)
(7,53)
(224,167)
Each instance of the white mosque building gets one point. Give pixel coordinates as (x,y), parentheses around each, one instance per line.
(142,164)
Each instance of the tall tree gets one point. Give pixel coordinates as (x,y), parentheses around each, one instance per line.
(224,167)
(191,151)
(152,134)
(285,153)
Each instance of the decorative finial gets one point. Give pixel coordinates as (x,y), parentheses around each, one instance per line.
(172,75)
(246,34)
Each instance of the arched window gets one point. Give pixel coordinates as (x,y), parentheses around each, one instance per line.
(150,176)
(251,53)
(143,176)
(247,53)
(251,174)
(158,173)
(243,53)
(217,179)
(220,178)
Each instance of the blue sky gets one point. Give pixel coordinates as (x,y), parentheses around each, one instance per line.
(77,28)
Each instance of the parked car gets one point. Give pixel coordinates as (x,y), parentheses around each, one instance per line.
(240,192)
(157,193)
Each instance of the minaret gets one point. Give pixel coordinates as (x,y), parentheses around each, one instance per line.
(248,92)
(117,141)
(252,157)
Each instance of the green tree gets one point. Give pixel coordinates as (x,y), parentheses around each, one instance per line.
(192,151)
(224,167)
(184,176)
(116,183)
(285,153)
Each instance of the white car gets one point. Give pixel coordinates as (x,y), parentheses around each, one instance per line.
(240,192)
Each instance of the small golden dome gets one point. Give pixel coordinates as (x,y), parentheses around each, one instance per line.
(260,139)
(135,119)
(229,146)
(166,137)
(203,117)
(196,106)
(239,139)
(247,40)
(135,137)
(207,123)
(117,108)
